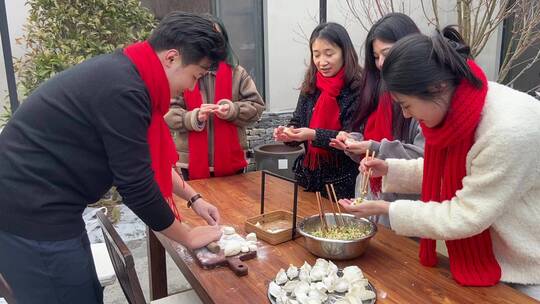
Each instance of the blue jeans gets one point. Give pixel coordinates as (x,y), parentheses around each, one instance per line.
(50,271)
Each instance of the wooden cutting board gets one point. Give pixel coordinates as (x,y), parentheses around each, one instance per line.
(209,260)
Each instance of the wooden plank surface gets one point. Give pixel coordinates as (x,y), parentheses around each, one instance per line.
(390,263)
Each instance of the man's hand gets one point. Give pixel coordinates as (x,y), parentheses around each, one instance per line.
(201,236)
(192,238)
(207,211)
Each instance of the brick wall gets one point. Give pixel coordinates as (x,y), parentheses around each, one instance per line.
(261,132)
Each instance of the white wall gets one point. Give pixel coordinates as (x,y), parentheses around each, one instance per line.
(287,52)
(16,16)
(288,25)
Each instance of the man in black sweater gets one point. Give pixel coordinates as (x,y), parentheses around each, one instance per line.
(80,132)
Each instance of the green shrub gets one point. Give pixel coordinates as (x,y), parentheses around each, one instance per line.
(62,33)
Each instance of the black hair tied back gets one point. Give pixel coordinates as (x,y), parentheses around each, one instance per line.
(451,51)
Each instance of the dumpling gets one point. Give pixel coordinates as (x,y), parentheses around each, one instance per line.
(317,273)
(282,299)
(352,274)
(360,293)
(301,290)
(290,286)
(303,275)
(329,282)
(275,290)
(313,300)
(320,286)
(251,237)
(292,272)
(360,283)
(321,263)
(341,285)
(332,268)
(281,277)
(353,270)
(366,295)
(352,299)
(317,295)
(306,266)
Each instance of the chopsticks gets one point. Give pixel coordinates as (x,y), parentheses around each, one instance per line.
(321,213)
(331,203)
(333,199)
(365,180)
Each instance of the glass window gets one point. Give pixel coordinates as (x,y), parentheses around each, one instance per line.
(244,22)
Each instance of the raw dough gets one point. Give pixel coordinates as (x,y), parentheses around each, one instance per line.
(228,230)
(251,237)
(232,248)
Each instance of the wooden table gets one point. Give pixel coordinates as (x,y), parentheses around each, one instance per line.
(390,263)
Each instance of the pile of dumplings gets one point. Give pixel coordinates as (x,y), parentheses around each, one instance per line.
(233,244)
(314,285)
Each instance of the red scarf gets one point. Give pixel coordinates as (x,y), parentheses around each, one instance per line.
(325,115)
(229,156)
(472,261)
(161,145)
(378,127)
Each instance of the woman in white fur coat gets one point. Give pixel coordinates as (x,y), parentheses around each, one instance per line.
(480,177)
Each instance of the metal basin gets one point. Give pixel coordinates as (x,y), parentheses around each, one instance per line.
(335,249)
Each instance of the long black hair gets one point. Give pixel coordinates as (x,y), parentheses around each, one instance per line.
(335,34)
(418,64)
(388,29)
(231,59)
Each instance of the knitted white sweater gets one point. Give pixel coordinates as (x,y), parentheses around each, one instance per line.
(501,188)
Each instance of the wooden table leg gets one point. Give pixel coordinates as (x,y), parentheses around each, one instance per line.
(157,268)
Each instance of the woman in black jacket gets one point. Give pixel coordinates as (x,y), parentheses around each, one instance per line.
(329,90)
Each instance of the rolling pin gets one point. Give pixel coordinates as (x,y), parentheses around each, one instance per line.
(213,247)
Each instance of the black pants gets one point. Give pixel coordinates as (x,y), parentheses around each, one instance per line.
(50,271)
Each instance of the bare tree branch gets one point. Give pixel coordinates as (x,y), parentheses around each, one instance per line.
(435,7)
(534,89)
(429,19)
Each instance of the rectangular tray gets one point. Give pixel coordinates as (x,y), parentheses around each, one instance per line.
(272,220)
